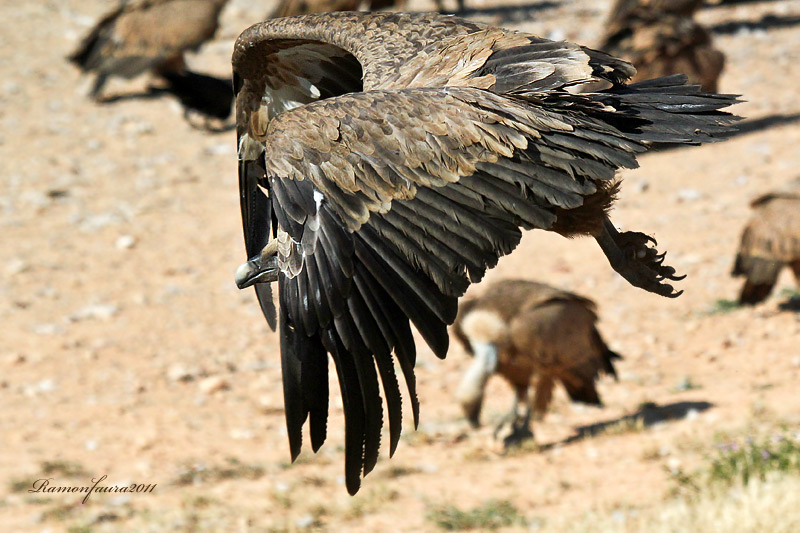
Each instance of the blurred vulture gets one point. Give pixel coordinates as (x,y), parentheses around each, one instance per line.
(152,35)
(660,38)
(770,241)
(290,8)
(534,336)
(388,159)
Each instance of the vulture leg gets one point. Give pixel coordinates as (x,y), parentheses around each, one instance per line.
(795,266)
(97,87)
(520,422)
(629,254)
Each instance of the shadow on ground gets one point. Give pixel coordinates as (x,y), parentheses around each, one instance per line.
(509,13)
(792,304)
(767,22)
(648,415)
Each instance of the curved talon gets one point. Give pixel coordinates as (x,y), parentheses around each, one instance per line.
(631,255)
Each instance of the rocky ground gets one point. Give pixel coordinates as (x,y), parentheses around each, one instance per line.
(127,351)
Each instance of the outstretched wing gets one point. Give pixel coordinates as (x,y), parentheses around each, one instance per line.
(389,203)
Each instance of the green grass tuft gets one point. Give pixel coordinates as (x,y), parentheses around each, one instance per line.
(491,515)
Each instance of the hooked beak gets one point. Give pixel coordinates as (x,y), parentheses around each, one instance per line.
(262,268)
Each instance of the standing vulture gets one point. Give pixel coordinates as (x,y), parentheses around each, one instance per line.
(770,241)
(660,37)
(152,35)
(290,8)
(534,336)
(386,160)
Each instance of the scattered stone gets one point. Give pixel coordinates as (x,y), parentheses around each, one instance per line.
(94,222)
(219,149)
(178,372)
(688,195)
(305,521)
(17,266)
(125,242)
(15,359)
(641,186)
(95,312)
(213,384)
(46,385)
(47,329)
(241,434)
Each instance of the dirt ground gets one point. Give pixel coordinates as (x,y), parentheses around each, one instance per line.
(127,351)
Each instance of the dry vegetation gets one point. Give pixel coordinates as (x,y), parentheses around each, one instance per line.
(128,352)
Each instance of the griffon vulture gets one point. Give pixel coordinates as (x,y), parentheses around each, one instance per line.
(386,160)
(290,8)
(770,241)
(660,37)
(533,335)
(152,35)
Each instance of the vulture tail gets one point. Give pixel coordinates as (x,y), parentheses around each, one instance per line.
(670,111)
(582,390)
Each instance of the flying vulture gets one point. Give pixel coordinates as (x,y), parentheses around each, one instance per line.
(770,241)
(152,35)
(660,37)
(533,335)
(386,160)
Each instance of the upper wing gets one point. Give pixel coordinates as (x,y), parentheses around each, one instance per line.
(388,203)
(395,201)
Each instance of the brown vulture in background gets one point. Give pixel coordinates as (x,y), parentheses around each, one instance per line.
(388,159)
(141,36)
(290,8)
(770,241)
(660,38)
(533,335)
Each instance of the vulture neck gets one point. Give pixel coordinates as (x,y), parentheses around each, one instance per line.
(475,378)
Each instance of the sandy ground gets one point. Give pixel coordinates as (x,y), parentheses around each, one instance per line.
(126,349)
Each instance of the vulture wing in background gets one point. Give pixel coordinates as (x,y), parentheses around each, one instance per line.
(770,241)
(395,157)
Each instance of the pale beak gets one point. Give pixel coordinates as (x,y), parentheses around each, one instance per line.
(262,268)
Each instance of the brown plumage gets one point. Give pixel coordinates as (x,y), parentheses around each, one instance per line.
(146,35)
(770,241)
(534,336)
(394,157)
(291,8)
(660,38)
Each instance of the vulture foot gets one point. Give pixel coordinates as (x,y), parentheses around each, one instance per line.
(631,256)
(520,432)
(520,428)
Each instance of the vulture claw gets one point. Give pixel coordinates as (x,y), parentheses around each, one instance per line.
(641,265)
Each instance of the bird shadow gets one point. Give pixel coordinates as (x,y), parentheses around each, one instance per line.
(743,127)
(767,22)
(726,3)
(649,415)
(149,94)
(792,304)
(509,13)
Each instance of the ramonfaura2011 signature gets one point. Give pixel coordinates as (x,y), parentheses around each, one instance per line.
(43,485)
